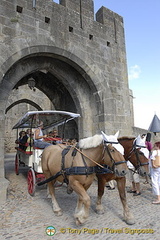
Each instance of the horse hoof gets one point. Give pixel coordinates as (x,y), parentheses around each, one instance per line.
(100,212)
(69,190)
(78,223)
(130,221)
(58,213)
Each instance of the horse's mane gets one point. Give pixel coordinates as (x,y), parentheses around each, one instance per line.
(126,138)
(91,142)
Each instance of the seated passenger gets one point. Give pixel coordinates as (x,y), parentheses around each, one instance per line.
(30,141)
(71,141)
(39,137)
(74,141)
(22,140)
(57,138)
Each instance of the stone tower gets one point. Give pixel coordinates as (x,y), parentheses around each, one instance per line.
(77,59)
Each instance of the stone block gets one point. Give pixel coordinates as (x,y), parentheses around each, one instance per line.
(78,63)
(3,190)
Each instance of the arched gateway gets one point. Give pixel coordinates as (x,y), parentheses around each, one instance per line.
(77,62)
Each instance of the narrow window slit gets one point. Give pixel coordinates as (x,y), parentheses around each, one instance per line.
(90,37)
(70,29)
(47,20)
(19,9)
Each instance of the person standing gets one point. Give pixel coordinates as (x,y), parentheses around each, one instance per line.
(155,172)
(149,147)
(148,143)
(134,179)
(133,175)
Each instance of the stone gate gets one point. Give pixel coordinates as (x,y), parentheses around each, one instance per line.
(77,60)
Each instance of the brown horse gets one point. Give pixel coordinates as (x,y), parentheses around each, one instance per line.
(135,154)
(78,168)
(140,162)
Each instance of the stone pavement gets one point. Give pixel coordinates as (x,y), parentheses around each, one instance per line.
(25,217)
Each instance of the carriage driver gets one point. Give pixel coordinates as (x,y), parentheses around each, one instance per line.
(39,137)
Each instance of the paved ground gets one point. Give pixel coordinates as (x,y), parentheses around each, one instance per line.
(25,217)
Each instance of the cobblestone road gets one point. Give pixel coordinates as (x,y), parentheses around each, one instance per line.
(26,217)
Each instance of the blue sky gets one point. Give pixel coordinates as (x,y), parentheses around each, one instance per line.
(142,34)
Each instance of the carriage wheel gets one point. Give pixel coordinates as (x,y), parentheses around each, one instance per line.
(31,179)
(17,165)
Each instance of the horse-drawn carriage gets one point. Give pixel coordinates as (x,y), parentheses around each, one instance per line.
(27,154)
(100,155)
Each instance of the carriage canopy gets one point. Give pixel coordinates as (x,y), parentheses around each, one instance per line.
(49,118)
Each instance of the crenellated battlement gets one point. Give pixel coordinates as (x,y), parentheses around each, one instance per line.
(82,7)
(80,12)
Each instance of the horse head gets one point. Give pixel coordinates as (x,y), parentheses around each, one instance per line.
(136,152)
(142,155)
(113,155)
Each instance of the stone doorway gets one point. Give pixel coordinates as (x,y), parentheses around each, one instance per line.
(59,84)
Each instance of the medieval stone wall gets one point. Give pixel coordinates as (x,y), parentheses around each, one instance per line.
(67,26)
(78,63)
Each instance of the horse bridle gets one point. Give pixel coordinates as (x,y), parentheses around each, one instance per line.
(110,155)
(137,153)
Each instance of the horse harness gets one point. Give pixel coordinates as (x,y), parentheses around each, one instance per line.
(85,170)
(137,153)
(111,158)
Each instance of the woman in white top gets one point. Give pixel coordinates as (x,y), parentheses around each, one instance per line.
(155,173)
(39,137)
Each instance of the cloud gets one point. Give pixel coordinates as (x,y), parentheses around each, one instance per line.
(144,112)
(134,72)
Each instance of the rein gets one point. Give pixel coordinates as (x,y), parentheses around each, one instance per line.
(136,152)
(75,170)
(82,170)
(112,160)
(110,155)
(78,150)
(115,163)
(137,155)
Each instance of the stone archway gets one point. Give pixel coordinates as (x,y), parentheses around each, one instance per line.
(27,101)
(20,101)
(65,86)
(64,79)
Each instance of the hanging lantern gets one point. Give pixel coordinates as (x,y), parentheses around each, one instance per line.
(31,83)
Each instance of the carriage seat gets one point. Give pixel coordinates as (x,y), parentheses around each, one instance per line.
(24,151)
(37,158)
(37,148)
(29,152)
(19,149)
